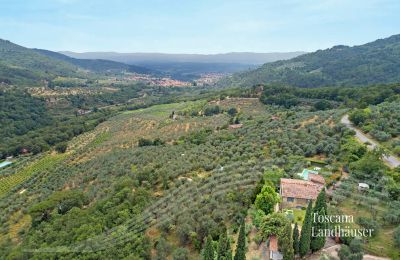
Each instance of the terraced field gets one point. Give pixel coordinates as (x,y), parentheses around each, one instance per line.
(201,179)
(13,180)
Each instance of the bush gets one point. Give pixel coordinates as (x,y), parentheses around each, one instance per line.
(181,254)
(369,224)
(61,147)
(232,111)
(352,252)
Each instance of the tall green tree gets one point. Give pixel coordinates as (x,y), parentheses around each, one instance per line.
(208,253)
(224,248)
(305,237)
(321,202)
(320,208)
(229,254)
(267,199)
(241,244)
(285,242)
(318,242)
(296,239)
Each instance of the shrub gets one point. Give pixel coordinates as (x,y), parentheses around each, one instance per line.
(61,147)
(369,224)
(181,254)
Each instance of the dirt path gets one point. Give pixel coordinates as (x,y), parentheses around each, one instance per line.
(255,250)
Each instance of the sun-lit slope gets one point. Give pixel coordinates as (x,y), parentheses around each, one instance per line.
(212,179)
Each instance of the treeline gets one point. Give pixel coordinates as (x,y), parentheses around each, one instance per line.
(27,126)
(325,98)
(21,113)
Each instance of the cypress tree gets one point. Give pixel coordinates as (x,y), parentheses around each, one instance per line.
(208,253)
(224,248)
(286,242)
(296,239)
(241,244)
(305,237)
(229,254)
(318,242)
(321,202)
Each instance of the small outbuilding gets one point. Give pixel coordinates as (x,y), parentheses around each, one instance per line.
(274,253)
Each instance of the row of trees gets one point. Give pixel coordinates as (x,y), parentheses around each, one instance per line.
(325,98)
(223,250)
(307,241)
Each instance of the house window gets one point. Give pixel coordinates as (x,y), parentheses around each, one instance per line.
(290,199)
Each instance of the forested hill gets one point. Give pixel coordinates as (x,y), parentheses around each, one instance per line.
(24,66)
(20,65)
(371,63)
(97,65)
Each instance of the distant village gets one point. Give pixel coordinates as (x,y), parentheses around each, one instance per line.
(203,80)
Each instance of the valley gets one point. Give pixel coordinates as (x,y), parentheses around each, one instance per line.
(102,158)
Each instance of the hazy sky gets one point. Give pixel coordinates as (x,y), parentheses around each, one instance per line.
(196,26)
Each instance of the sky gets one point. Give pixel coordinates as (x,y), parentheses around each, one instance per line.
(196,26)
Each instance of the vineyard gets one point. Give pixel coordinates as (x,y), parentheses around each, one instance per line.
(10,182)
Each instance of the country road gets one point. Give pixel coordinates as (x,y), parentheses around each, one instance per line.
(389,159)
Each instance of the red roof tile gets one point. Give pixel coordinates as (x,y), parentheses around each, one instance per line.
(300,189)
(273,243)
(316,178)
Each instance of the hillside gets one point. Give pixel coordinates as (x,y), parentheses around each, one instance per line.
(371,63)
(202,178)
(96,65)
(176,173)
(20,65)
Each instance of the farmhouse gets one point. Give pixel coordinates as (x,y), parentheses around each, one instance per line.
(297,193)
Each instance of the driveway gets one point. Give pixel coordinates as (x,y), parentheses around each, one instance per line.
(392,161)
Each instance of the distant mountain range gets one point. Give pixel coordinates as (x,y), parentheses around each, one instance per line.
(146,58)
(24,66)
(190,66)
(371,63)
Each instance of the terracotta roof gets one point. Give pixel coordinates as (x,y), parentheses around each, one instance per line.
(300,189)
(273,243)
(316,178)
